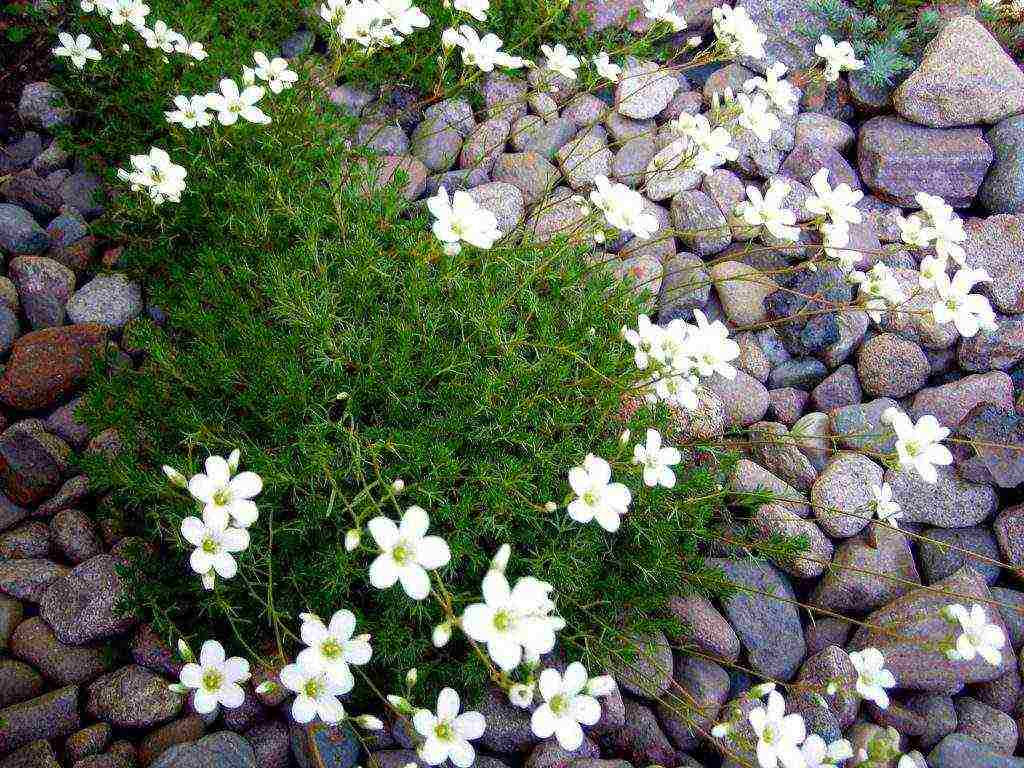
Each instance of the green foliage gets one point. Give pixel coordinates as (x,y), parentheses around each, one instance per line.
(887,35)
(323,332)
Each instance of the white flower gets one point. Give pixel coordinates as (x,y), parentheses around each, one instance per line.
(817,754)
(914,231)
(475,8)
(131,12)
(647,341)
(215,542)
(274,72)
(215,679)
(407,553)
(190,113)
(674,389)
(775,86)
(447,734)
(713,146)
(333,647)
(887,510)
(839,204)
(623,208)
(404,18)
(872,676)
(460,219)
(194,49)
(931,267)
(157,174)
(919,446)
(230,104)
(600,686)
(521,695)
(778,735)
(737,32)
(565,706)
(483,53)
(838,57)
(161,36)
(597,497)
(969,312)
(606,68)
(879,289)
(657,462)
(767,211)
(712,349)
(512,620)
(979,636)
(558,59)
(78,49)
(317,695)
(218,490)
(663,10)
(756,115)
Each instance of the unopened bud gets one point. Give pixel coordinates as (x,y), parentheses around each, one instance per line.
(624,437)
(233,460)
(401,704)
(185,652)
(411,677)
(266,687)
(352,539)
(500,560)
(442,634)
(550,506)
(398,486)
(174,477)
(370,723)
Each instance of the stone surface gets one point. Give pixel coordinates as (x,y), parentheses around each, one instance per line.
(700,225)
(951,502)
(407,174)
(996,244)
(34,642)
(898,159)
(644,88)
(891,366)
(649,673)
(769,629)
(218,750)
(318,745)
(995,729)
(42,106)
(132,697)
(1002,191)
(531,173)
(950,403)
(918,616)
(20,235)
(704,627)
(83,605)
(943,551)
(48,365)
(841,496)
(960,751)
(49,716)
(742,291)
(964,78)
(107,300)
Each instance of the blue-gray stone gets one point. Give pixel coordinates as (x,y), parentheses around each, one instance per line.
(20,234)
(218,750)
(83,191)
(298,43)
(960,751)
(1002,191)
(319,745)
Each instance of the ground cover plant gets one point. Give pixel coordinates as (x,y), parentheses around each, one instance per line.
(354,359)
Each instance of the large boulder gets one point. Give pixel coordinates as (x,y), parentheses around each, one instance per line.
(898,159)
(965,78)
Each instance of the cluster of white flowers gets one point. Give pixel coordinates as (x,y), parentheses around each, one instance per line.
(132,14)
(737,32)
(373,23)
(664,10)
(938,227)
(978,636)
(776,88)
(679,354)
(78,49)
(484,53)
(155,173)
(228,510)
(838,210)
(782,740)
(839,57)
(768,212)
(623,208)
(460,219)
(919,446)
(879,289)
(707,147)
(559,60)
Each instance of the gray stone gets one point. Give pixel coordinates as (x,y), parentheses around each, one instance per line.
(891,366)
(20,235)
(777,520)
(386,139)
(504,96)
(686,285)
(108,300)
(898,159)
(503,200)
(996,244)
(436,144)
(74,536)
(809,157)
(42,106)
(853,585)
(648,674)
(841,495)
(996,350)
(779,19)
(942,552)
(44,287)
(631,160)
(28,579)
(319,745)
(951,502)
(860,427)
(84,192)
(745,398)
(822,129)
(995,729)
(408,174)
(641,740)
(702,229)
(644,88)
(36,754)
(704,627)
(485,145)
(26,541)
(583,159)
(34,642)
(351,98)
(918,615)
(49,716)
(742,290)
(950,403)
(18,682)
(965,78)
(545,137)
(531,173)
(559,215)
(1002,191)
(768,627)
(133,697)
(218,750)
(960,751)
(508,727)
(585,110)
(799,373)
(750,478)
(452,113)
(773,447)
(691,710)
(84,604)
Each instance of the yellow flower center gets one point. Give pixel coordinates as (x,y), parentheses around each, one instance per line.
(331,649)
(212,680)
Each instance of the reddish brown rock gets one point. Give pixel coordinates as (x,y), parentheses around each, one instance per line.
(48,365)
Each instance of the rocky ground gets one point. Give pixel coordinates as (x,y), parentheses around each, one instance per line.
(82,686)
